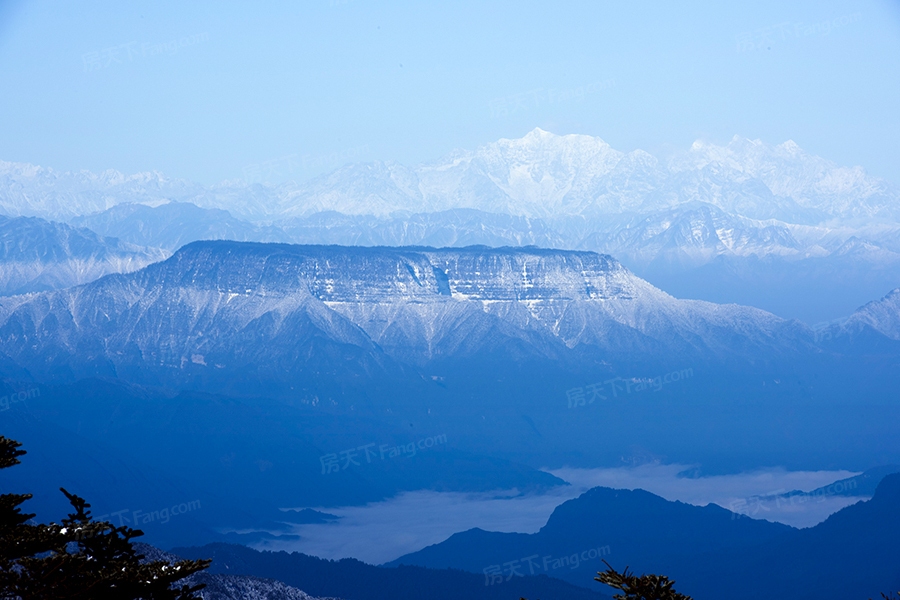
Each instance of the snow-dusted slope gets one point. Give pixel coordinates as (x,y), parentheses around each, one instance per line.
(743,199)
(228,587)
(543,175)
(540,175)
(37,255)
(882,316)
(788,172)
(29,190)
(227,306)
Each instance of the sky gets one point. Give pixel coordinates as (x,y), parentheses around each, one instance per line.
(211,91)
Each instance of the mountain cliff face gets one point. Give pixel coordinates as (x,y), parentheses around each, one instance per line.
(215,306)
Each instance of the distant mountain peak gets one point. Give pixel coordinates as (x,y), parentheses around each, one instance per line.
(540,175)
(539,133)
(879,316)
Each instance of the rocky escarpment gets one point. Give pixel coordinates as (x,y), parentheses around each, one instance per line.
(226,305)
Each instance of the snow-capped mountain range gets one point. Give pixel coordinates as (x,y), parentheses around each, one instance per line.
(697,224)
(224,307)
(541,175)
(499,348)
(547,176)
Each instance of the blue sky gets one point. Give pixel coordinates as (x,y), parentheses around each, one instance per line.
(205,90)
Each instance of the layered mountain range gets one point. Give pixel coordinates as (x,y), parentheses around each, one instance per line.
(709,552)
(255,362)
(520,337)
(38,255)
(355,580)
(219,308)
(541,175)
(747,222)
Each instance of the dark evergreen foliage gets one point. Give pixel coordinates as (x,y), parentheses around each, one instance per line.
(78,558)
(643,587)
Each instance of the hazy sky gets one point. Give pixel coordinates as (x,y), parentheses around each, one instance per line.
(208,91)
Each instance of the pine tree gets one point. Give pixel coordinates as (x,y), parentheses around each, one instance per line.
(645,587)
(78,558)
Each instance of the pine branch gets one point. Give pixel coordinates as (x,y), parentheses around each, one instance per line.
(644,587)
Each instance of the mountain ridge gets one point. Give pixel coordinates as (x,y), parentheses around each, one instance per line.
(706,550)
(38,255)
(699,224)
(390,304)
(538,175)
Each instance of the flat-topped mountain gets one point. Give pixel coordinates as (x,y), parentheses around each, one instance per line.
(216,308)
